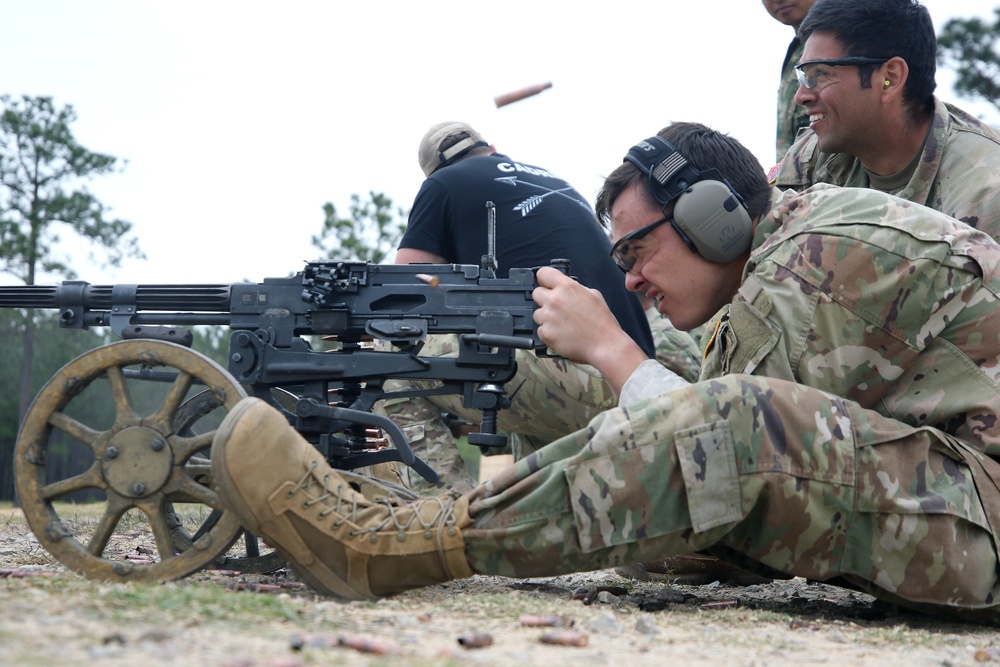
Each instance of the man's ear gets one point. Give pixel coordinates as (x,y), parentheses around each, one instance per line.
(895,73)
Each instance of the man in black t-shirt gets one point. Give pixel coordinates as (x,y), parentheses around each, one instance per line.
(539,217)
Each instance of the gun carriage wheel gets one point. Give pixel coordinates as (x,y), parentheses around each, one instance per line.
(148,463)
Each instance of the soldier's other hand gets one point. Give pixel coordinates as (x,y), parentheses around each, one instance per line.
(572,319)
(576,323)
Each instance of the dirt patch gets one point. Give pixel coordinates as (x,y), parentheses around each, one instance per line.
(50,616)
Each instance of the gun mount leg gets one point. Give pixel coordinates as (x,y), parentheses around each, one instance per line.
(143,446)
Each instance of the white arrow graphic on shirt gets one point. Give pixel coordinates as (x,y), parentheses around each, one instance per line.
(531,202)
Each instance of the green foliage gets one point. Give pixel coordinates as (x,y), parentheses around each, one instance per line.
(370,233)
(54,348)
(213,342)
(41,191)
(969,46)
(42,194)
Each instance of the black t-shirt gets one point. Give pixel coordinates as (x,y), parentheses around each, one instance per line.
(539,217)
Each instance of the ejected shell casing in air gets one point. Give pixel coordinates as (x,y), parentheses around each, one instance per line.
(433,281)
(518,95)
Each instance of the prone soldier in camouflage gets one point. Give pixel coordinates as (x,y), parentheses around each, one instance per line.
(876,123)
(845,427)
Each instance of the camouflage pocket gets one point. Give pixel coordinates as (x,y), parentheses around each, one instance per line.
(924,472)
(925,525)
(414,432)
(708,464)
(623,497)
(751,336)
(642,493)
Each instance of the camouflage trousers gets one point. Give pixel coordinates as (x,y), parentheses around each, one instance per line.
(770,475)
(550,399)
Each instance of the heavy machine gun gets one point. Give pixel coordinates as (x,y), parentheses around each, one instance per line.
(167,398)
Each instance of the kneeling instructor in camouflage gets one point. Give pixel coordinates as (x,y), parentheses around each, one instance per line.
(844,428)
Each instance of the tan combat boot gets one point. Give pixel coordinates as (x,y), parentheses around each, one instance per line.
(340,542)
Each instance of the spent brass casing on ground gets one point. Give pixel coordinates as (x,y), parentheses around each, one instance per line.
(533,621)
(565,638)
(476,640)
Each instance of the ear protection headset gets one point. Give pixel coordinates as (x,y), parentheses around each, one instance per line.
(709,215)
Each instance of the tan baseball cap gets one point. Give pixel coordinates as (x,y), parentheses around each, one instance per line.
(430,154)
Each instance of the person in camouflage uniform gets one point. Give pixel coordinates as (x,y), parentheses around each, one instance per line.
(539,217)
(884,128)
(845,427)
(791,117)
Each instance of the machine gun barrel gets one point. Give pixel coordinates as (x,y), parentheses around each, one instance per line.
(147,297)
(82,305)
(341,298)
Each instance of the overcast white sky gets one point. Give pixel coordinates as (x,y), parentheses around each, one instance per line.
(240,119)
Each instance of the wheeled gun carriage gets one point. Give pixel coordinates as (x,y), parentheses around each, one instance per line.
(151,460)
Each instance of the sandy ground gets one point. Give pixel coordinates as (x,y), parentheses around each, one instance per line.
(51,616)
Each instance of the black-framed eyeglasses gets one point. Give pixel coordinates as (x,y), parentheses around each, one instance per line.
(810,74)
(625,252)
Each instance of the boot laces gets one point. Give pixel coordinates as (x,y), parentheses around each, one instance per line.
(347,510)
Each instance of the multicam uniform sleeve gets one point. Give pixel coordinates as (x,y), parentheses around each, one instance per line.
(959,172)
(879,301)
(648,380)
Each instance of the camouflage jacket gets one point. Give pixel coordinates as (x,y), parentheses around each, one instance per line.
(959,173)
(866,296)
(791,116)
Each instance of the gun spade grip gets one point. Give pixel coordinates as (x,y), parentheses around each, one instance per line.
(561,264)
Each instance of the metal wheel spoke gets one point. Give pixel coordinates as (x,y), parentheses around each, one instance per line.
(184,489)
(124,413)
(89,479)
(178,390)
(117,506)
(185,448)
(161,530)
(74,428)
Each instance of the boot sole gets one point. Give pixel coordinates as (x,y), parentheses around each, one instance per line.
(233,500)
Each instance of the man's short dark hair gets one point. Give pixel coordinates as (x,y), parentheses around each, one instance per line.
(706,149)
(883,29)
